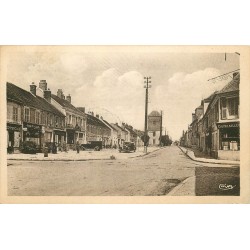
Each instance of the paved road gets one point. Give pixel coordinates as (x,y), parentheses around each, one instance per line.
(155,174)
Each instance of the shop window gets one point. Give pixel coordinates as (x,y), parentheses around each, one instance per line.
(15,114)
(26,114)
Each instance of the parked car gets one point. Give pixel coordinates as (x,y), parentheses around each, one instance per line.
(127,147)
(92,145)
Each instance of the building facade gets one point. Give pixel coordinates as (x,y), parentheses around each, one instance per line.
(217,131)
(154,128)
(29,116)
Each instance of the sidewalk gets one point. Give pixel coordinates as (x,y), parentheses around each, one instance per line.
(191,155)
(186,188)
(71,155)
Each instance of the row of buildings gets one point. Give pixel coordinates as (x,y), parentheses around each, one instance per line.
(215,127)
(43,117)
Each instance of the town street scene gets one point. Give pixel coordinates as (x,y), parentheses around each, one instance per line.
(122,121)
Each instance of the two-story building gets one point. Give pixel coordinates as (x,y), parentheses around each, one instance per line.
(31,115)
(219,128)
(96,129)
(121,134)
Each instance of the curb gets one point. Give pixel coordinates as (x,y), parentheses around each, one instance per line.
(94,159)
(180,186)
(203,161)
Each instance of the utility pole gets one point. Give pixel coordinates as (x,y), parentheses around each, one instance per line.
(161,129)
(147,80)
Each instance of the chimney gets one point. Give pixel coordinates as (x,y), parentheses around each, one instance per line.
(235,74)
(60,93)
(47,95)
(97,116)
(43,85)
(33,88)
(68,98)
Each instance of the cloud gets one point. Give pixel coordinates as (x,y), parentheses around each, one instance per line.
(120,93)
(75,64)
(181,95)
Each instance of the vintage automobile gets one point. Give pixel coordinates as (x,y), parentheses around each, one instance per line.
(127,147)
(92,145)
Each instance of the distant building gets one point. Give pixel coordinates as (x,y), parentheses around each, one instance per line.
(121,134)
(154,128)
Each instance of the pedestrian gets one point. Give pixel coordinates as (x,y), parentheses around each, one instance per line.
(77,147)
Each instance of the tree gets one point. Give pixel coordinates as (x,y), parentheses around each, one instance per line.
(165,140)
(145,139)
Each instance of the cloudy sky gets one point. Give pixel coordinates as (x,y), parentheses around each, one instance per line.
(110,81)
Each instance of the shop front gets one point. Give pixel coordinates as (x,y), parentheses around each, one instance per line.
(48,135)
(229,141)
(70,134)
(59,136)
(13,137)
(33,133)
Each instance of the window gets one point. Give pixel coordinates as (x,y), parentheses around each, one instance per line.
(37,117)
(57,123)
(153,133)
(15,114)
(26,114)
(49,118)
(233,106)
(42,118)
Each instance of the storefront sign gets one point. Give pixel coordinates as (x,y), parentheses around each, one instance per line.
(13,127)
(228,125)
(33,130)
(32,126)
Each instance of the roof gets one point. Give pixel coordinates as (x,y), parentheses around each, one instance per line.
(109,124)
(200,107)
(118,127)
(154,113)
(64,103)
(208,99)
(113,127)
(92,120)
(233,85)
(21,96)
(130,130)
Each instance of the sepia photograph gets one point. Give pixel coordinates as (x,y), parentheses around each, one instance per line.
(122,121)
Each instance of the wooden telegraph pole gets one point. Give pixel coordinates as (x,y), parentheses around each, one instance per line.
(160,129)
(147,80)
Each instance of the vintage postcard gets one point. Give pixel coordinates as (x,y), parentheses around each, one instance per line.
(125,124)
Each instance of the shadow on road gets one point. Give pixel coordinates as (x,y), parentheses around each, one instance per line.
(217,181)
